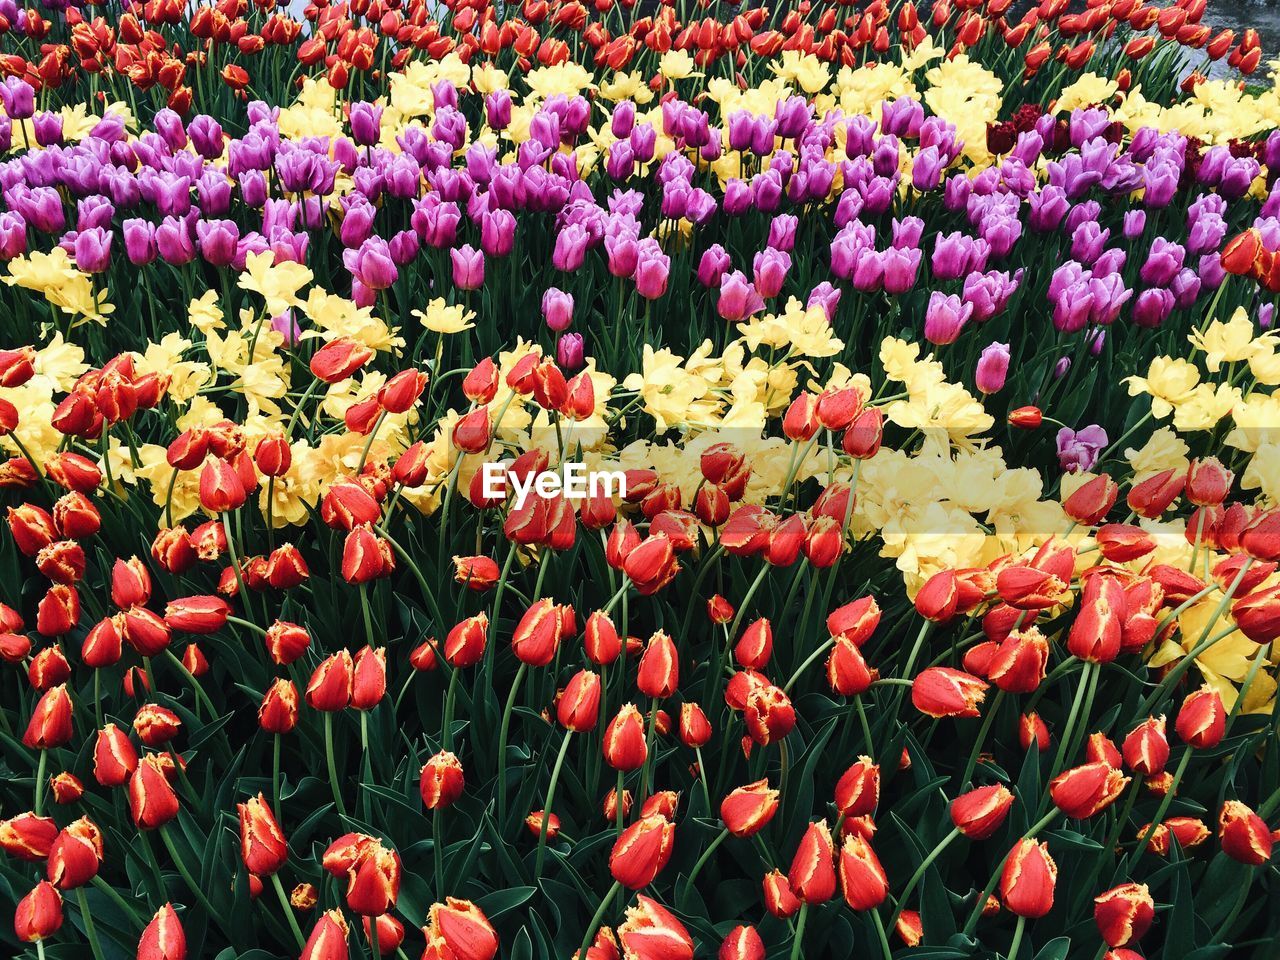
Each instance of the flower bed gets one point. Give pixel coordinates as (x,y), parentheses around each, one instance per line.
(920,594)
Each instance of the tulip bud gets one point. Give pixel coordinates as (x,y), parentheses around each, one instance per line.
(390,933)
(156,725)
(624,742)
(152,802)
(946,692)
(742,943)
(980,812)
(755,646)
(769,714)
(1188,831)
(328,940)
(1243,834)
(278,712)
(28,837)
(442,781)
(1026,418)
(847,671)
(813,875)
(747,810)
(1084,791)
(779,899)
(130,583)
(76,855)
(1146,748)
(858,790)
(114,757)
(579,706)
(464,646)
(1028,880)
(862,878)
(368,678)
(1018,664)
(1092,500)
(164,938)
(642,851)
(1208,482)
(199,615)
(286,642)
(1202,720)
(262,845)
(465,930)
(39,914)
(330,687)
(658,673)
(1124,913)
(695,728)
(51,720)
(537,635)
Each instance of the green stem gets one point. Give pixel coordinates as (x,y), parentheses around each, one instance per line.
(1167,799)
(1017,938)
(546,809)
(333,767)
(706,855)
(982,737)
(89,929)
(437,850)
(600,911)
(186,874)
(880,932)
(288,909)
(275,774)
(796,951)
(38,805)
(936,852)
(503,732)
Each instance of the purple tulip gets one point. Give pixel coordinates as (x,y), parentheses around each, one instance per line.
(173,242)
(497,109)
(623,251)
(286,324)
(47,127)
(827,297)
(714,264)
(404,247)
(13,235)
(1163,262)
(623,120)
(497,232)
(770,268)
(557,309)
(569,352)
(371,264)
(653,267)
(468,267)
(993,368)
(217,240)
(782,232)
(206,136)
(901,267)
(738,299)
(570,248)
(19,98)
(945,317)
(139,241)
(1079,450)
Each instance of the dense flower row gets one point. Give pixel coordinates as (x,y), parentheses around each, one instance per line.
(939,605)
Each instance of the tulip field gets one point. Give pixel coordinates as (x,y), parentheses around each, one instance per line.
(638,481)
